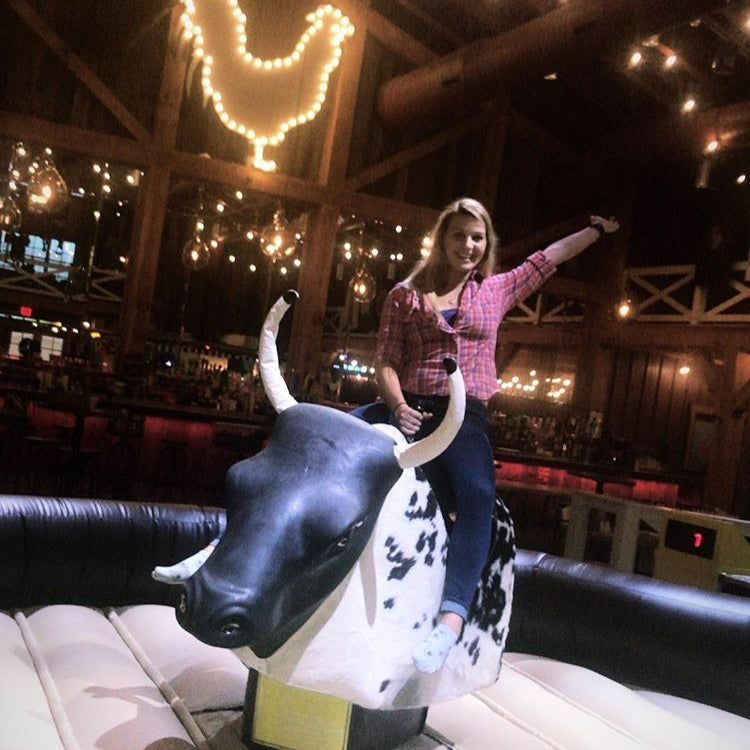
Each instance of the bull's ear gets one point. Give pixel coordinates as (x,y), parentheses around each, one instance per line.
(268,355)
(416,454)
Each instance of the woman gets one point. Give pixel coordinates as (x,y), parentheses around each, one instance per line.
(451,305)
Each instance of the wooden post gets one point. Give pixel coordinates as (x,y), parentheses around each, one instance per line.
(306,338)
(143,262)
(594,367)
(152,207)
(722,469)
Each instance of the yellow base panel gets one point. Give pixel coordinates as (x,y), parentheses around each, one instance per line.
(294,719)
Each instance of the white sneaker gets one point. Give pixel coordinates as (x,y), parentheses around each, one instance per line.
(430,654)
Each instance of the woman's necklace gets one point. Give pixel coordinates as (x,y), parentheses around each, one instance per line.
(449,300)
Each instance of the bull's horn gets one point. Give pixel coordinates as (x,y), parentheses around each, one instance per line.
(416,454)
(268,355)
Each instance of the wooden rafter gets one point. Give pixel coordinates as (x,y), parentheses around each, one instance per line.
(213,170)
(432,23)
(76,140)
(82,71)
(390,35)
(403,158)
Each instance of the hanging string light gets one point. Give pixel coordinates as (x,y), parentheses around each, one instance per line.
(363,286)
(10,213)
(47,190)
(195,252)
(235,80)
(278,239)
(624,309)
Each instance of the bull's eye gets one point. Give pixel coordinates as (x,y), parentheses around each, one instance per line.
(342,542)
(183,604)
(230,628)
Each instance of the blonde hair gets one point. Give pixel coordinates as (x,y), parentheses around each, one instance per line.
(428,272)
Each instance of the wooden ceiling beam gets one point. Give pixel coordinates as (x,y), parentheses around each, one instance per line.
(82,71)
(408,156)
(523,126)
(201,168)
(281,186)
(541,141)
(432,23)
(77,140)
(573,33)
(147,27)
(390,35)
(729,33)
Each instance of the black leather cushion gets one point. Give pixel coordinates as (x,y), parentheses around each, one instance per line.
(639,631)
(94,552)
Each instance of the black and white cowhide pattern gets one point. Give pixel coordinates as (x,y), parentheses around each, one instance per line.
(358,644)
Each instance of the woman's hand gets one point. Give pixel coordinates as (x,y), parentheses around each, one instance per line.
(409,420)
(609,226)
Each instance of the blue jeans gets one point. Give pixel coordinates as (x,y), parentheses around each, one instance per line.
(463,478)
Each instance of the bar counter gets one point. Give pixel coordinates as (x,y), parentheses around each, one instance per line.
(657,487)
(76,434)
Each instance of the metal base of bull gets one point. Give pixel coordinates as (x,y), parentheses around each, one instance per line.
(289,718)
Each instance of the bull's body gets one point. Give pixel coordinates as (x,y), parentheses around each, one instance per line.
(331,569)
(358,643)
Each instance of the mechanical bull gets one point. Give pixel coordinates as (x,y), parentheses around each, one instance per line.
(331,568)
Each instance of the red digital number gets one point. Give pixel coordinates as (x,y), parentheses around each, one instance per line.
(697,539)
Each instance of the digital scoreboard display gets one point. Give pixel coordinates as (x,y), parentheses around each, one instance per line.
(690,538)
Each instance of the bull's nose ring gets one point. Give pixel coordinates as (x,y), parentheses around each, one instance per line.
(230,628)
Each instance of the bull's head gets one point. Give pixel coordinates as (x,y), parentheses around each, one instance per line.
(299,513)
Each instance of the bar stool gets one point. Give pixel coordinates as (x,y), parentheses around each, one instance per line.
(13,426)
(119,466)
(171,468)
(40,465)
(80,471)
(121,459)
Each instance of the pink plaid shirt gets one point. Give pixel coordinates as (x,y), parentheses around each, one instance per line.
(413,339)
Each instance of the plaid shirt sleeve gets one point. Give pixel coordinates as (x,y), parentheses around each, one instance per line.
(516,285)
(391,335)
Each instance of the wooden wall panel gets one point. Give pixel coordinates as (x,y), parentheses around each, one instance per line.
(650,402)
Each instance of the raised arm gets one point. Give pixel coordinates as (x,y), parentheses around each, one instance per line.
(568,247)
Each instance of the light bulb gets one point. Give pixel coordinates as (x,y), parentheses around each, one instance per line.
(362,286)
(47,190)
(277,238)
(195,254)
(10,214)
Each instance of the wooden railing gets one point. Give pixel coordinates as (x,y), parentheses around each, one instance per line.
(659,294)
